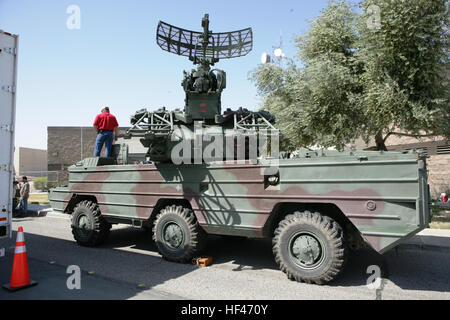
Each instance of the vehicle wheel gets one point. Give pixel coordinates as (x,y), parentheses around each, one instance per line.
(309,247)
(89,228)
(177,234)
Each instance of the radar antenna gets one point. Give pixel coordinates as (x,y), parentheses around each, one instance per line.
(204,46)
(203,87)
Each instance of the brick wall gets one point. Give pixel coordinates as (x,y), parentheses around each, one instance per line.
(439,174)
(68,145)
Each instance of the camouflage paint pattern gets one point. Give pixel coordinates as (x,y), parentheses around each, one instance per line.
(384,194)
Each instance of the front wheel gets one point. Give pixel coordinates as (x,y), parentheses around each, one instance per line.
(309,247)
(89,228)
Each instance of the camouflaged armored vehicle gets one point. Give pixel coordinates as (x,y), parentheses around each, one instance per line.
(313,204)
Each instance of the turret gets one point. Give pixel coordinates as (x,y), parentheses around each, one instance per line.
(161,130)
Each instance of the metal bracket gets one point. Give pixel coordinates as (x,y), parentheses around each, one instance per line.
(5,167)
(6,127)
(12,51)
(10,89)
(136,223)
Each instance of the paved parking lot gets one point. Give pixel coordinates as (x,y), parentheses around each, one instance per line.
(128,266)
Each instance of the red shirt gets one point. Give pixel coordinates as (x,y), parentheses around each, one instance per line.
(105,121)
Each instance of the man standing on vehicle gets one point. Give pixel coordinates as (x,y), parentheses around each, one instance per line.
(24,194)
(107,131)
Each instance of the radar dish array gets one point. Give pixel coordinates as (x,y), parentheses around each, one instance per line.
(224,45)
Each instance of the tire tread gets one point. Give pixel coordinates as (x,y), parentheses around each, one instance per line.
(334,235)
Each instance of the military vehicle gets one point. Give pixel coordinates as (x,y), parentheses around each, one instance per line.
(313,204)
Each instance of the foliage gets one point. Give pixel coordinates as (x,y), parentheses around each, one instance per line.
(42,184)
(349,81)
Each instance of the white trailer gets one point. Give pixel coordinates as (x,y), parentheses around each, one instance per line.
(8,83)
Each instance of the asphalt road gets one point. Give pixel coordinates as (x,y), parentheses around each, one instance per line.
(128,266)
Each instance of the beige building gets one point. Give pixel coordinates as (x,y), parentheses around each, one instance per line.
(30,162)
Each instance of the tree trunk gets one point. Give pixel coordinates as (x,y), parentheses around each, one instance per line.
(380,142)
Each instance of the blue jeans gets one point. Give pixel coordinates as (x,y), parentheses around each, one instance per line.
(23,206)
(106,138)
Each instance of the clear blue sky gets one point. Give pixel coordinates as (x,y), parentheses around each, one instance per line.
(66,76)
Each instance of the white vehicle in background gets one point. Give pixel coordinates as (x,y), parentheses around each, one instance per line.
(8,81)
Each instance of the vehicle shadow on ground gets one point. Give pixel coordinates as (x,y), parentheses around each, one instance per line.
(106,272)
(419,269)
(408,268)
(34,210)
(52,284)
(134,238)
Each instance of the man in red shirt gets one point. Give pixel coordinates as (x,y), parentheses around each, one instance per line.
(106,125)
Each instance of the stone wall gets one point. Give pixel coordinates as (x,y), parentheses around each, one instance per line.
(439,174)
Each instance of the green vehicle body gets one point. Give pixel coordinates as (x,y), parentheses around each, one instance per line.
(382,195)
(312,203)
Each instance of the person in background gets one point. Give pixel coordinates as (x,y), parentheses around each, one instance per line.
(16,196)
(24,194)
(107,132)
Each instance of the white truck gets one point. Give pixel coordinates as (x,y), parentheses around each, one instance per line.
(8,83)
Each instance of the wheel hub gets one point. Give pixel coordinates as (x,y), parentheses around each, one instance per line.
(173,235)
(83,222)
(306,250)
(84,226)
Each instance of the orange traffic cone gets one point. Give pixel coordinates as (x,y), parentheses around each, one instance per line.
(20,277)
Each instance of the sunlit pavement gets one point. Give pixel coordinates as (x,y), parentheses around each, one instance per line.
(128,266)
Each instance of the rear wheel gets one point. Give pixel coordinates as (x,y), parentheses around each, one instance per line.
(89,228)
(309,247)
(177,234)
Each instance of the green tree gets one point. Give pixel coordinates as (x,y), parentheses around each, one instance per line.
(41,183)
(406,69)
(351,79)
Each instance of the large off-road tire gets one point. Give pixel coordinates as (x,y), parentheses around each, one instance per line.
(89,228)
(309,247)
(177,234)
